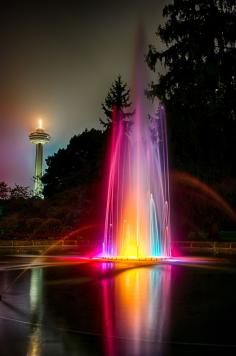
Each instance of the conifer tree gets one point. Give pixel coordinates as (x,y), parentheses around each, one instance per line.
(198,84)
(118,98)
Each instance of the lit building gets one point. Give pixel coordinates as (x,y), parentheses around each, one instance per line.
(39,137)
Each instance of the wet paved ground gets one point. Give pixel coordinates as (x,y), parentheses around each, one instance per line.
(65,306)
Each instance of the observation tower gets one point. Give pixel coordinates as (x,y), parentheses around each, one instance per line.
(39,137)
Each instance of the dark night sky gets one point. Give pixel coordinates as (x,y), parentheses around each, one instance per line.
(57,62)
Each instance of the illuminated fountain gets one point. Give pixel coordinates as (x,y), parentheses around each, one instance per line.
(137,222)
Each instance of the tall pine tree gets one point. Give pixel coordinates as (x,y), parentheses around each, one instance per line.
(199,81)
(118,98)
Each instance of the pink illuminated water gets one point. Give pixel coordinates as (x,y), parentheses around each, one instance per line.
(136,310)
(137,222)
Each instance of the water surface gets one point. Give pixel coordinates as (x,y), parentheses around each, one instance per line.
(60,306)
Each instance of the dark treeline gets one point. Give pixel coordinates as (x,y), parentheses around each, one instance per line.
(199,85)
(198,88)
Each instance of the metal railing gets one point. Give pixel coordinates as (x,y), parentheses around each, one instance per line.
(37,243)
(214,247)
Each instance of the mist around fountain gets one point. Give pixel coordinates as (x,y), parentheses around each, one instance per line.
(137,221)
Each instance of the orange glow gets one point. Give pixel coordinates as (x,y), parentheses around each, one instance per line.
(133,231)
(129,285)
(40,123)
(141,297)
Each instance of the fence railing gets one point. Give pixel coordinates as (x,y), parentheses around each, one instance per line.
(214,247)
(37,243)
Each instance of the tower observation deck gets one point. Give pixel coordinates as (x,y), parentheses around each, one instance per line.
(39,137)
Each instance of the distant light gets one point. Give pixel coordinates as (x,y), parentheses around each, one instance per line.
(40,123)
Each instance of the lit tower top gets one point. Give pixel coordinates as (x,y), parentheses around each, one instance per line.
(39,137)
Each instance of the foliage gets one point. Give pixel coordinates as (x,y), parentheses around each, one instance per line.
(4,191)
(196,214)
(50,227)
(198,86)
(58,216)
(20,192)
(17,192)
(117,99)
(32,224)
(79,163)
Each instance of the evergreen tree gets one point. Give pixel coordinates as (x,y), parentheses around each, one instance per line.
(199,82)
(118,98)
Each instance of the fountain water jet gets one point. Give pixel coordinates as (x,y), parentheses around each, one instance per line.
(137,222)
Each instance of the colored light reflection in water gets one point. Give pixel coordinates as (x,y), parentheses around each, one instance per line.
(135,310)
(36,308)
(137,222)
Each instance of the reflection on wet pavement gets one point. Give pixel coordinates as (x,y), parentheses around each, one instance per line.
(61,308)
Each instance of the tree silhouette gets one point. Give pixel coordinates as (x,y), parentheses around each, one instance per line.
(4,191)
(79,163)
(20,192)
(199,82)
(118,99)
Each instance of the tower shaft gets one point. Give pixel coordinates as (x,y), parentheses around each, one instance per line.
(38,186)
(39,137)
